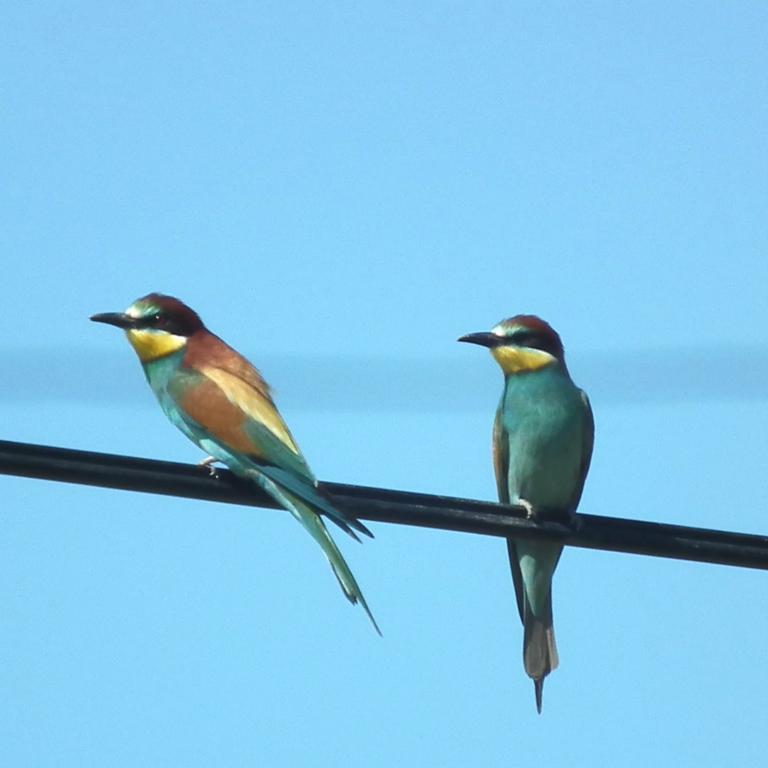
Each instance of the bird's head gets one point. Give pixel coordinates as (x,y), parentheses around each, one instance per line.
(156,325)
(521,344)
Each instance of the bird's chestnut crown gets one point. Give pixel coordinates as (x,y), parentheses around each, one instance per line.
(167,314)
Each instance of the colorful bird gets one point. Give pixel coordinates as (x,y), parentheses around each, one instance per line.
(221,403)
(542,446)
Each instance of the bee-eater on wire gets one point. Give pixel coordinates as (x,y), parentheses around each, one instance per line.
(221,403)
(542,446)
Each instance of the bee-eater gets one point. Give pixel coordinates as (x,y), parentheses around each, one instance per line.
(221,403)
(542,446)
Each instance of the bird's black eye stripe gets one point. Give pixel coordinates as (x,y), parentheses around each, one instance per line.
(157,320)
(164,322)
(536,341)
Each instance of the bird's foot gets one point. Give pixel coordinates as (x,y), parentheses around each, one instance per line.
(530,512)
(209,462)
(575,522)
(570,520)
(567,518)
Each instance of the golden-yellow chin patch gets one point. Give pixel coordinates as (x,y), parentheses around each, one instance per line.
(150,345)
(520,359)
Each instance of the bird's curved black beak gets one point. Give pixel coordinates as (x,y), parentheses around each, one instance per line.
(484,339)
(119,319)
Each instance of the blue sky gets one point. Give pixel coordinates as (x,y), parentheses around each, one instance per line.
(341,190)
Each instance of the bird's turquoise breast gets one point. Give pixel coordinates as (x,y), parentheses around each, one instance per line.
(544,416)
(160,373)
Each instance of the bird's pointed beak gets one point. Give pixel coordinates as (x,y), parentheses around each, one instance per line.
(119,319)
(484,339)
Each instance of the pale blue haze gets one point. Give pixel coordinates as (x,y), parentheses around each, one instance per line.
(341,190)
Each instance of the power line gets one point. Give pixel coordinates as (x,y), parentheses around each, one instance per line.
(387,506)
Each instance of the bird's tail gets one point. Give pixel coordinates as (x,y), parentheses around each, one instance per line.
(313,523)
(539,647)
(316,527)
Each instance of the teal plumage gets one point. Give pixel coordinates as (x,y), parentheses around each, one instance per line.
(221,403)
(542,446)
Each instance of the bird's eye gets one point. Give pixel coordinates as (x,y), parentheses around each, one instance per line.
(158,318)
(524,339)
(531,339)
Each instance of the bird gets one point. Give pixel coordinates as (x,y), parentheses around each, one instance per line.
(543,434)
(220,401)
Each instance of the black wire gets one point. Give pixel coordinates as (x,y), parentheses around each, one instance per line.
(382,505)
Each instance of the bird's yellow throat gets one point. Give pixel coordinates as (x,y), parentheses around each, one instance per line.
(150,345)
(521,359)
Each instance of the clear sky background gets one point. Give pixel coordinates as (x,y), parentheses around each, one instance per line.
(342,189)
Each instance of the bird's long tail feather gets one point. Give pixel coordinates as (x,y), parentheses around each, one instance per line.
(313,523)
(539,648)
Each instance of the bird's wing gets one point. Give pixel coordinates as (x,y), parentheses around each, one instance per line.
(220,406)
(501,458)
(315,497)
(588,439)
(501,468)
(238,415)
